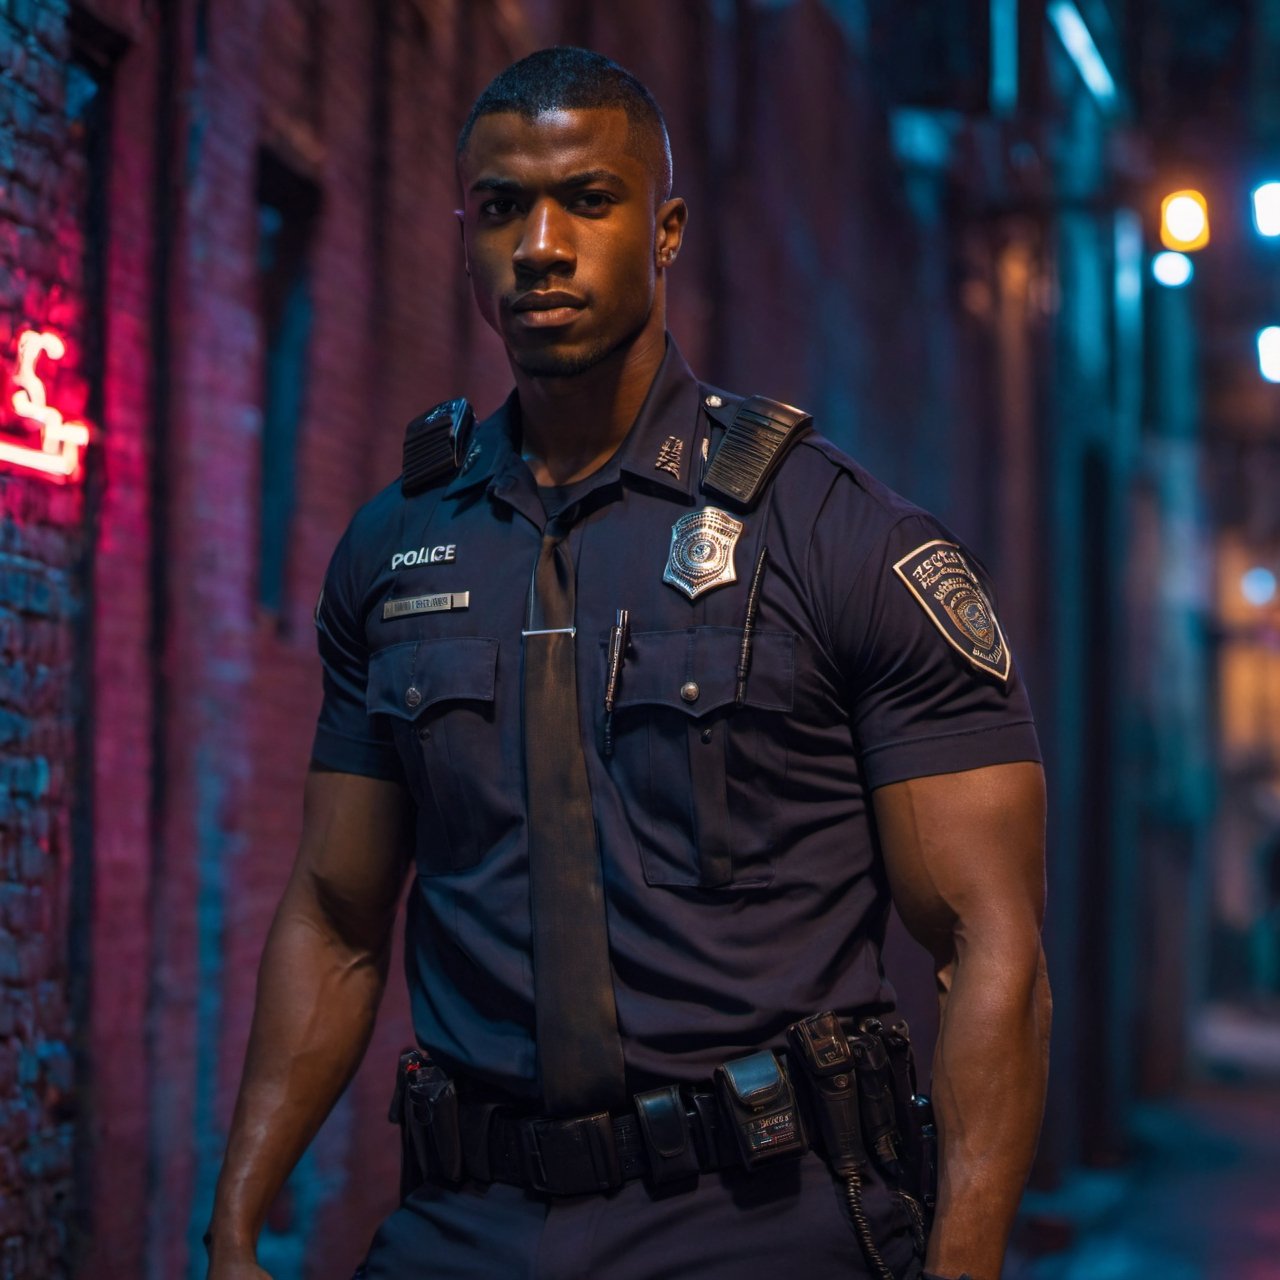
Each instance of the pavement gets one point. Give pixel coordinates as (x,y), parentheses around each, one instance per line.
(1200,1200)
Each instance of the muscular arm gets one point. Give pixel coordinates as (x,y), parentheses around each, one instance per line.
(965,856)
(319,984)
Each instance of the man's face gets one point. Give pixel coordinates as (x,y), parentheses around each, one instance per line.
(563,235)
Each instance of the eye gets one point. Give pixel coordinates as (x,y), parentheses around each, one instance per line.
(591,202)
(498,207)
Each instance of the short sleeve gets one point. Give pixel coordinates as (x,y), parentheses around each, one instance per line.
(347,738)
(932,682)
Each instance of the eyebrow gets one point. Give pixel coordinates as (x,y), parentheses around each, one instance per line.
(508,186)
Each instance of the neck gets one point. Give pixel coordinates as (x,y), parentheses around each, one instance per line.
(572,426)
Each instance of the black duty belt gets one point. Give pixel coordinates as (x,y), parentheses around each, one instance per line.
(859,1106)
(588,1154)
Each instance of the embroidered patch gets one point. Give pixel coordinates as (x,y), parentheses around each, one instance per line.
(939,577)
(701,555)
(446,554)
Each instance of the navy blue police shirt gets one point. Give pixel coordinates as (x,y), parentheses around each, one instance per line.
(744,888)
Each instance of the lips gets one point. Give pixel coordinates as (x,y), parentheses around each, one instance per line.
(547,300)
(552,309)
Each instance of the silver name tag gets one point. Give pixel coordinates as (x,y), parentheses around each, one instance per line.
(426,604)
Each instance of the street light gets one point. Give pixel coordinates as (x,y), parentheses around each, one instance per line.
(1173,270)
(1266,209)
(1269,352)
(1184,221)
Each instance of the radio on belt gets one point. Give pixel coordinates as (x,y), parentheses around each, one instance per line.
(758,1099)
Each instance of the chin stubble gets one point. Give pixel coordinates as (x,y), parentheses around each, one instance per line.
(549,364)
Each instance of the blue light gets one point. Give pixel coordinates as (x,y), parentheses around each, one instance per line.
(1173,270)
(1078,42)
(1258,586)
(1004,57)
(922,138)
(1269,353)
(1266,209)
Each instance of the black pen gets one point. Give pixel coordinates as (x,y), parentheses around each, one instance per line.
(619,638)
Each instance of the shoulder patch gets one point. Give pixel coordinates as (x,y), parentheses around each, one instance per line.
(938,575)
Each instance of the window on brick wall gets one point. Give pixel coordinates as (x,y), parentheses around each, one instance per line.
(287,208)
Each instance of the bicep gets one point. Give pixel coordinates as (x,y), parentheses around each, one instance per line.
(353,856)
(964,853)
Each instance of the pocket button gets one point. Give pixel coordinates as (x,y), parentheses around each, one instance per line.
(412,696)
(689,692)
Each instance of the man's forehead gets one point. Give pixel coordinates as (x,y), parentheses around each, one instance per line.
(563,135)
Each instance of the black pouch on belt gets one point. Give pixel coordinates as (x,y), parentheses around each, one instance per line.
(880,1129)
(425,1105)
(664,1126)
(760,1104)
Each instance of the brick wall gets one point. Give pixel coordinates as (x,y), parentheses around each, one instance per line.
(119,1089)
(43,688)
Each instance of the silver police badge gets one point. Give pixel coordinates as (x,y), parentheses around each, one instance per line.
(939,576)
(701,557)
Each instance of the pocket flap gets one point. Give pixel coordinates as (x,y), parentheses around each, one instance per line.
(695,670)
(756,1080)
(405,679)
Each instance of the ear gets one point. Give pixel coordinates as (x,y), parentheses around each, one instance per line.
(462,235)
(671,218)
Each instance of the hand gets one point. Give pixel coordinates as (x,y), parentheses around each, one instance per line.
(231,1262)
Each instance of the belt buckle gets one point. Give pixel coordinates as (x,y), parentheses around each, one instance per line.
(531,1155)
(570,1157)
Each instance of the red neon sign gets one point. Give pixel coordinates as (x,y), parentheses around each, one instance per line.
(58,456)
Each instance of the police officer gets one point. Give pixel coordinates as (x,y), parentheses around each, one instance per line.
(660,697)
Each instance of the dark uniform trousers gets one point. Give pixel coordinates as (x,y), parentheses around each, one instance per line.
(782,1222)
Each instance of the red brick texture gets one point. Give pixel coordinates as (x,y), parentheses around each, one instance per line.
(43,686)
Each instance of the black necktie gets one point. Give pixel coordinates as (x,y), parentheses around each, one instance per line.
(579,1052)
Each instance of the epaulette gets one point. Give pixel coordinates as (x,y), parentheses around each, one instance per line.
(435,443)
(756,439)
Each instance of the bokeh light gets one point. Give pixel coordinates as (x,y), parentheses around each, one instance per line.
(1258,586)
(1172,269)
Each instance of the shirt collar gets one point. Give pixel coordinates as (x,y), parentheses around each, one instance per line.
(490,450)
(661,449)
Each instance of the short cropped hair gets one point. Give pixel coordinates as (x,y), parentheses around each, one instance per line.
(567,78)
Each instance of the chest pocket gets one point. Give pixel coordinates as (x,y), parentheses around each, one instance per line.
(702,778)
(440,695)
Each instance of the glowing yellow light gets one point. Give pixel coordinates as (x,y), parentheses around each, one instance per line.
(1184,221)
(60,442)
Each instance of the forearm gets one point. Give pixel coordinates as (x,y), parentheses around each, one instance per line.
(989,1075)
(316,1004)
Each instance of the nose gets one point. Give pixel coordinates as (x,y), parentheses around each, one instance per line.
(545,245)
